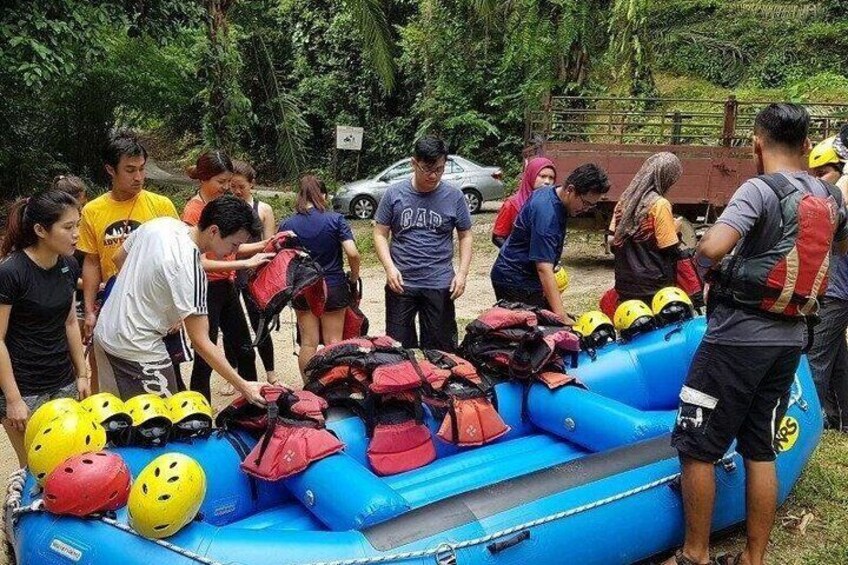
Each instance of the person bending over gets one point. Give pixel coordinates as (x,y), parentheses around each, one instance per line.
(524,269)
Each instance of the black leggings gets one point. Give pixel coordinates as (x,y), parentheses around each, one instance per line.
(265,347)
(225,313)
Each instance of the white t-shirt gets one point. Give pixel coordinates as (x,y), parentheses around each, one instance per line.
(161,283)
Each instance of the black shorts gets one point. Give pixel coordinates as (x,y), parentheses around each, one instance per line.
(732,392)
(338,298)
(513,294)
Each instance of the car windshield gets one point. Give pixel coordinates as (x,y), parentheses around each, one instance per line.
(464,160)
(398,170)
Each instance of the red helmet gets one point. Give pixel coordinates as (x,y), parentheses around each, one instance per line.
(87,484)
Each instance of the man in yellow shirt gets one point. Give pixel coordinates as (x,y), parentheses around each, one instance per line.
(108,220)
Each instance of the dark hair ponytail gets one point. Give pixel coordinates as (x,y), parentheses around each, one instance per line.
(209,165)
(313,192)
(71,184)
(43,208)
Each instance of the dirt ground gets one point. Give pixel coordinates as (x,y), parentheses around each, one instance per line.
(589,268)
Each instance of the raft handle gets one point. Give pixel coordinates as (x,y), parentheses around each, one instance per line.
(498,546)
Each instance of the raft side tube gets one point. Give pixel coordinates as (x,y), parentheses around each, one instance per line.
(647,371)
(364,501)
(592,421)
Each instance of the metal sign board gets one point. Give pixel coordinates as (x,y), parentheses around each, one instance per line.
(349,138)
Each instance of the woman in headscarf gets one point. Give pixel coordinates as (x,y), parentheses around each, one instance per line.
(645,241)
(540,171)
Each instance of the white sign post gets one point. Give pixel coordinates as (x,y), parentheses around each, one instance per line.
(349,138)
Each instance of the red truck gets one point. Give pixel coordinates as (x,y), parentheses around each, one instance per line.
(711,137)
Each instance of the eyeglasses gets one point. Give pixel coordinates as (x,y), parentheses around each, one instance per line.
(587,204)
(430,171)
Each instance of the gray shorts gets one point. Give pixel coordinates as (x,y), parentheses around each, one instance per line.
(36,400)
(126,379)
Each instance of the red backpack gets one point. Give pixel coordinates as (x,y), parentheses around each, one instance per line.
(787,280)
(291,273)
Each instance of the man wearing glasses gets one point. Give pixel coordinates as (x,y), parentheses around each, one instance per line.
(524,269)
(421,213)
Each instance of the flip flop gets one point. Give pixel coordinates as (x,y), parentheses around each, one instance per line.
(729,559)
(681,559)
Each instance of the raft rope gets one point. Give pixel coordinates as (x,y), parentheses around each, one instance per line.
(444,553)
(14,492)
(448,550)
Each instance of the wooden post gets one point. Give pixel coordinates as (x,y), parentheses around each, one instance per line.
(728,131)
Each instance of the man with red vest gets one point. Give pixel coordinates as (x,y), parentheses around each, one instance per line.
(782,226)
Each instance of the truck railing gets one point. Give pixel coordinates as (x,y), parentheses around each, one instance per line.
(661,121)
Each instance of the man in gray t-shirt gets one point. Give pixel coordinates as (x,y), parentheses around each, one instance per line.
(754,212)
(739,379)
(421,215)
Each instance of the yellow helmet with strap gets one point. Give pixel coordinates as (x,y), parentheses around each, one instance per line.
(166,495)
(112,414)
(561,276)
(70,433)
(671,304)
(44,414)
(824,153)
(151,419)
(191,414)
(595,329)
(633,317)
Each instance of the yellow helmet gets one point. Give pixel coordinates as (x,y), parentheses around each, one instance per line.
(71,433)
(561,276)
(671,304)
(112,414)
(166,495)
(44,414)
(633,317)
(595,328)
(151,419)
(824,153)
(191,414)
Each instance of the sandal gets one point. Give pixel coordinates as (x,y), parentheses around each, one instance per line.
(729,559)
(681,559)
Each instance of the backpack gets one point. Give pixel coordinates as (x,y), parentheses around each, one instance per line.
(787,280)
(291,273)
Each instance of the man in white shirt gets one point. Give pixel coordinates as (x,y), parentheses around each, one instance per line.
(161,283)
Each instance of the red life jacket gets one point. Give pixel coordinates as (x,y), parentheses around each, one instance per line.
(788,279)
(243,414)
(554,380)
(353,352)
(355,322)
(456,395)
(398,372)
(688,279)
(291,442)
(399,439)
(609,302)
(291,273)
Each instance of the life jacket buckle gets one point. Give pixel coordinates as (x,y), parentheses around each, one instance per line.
(728,464)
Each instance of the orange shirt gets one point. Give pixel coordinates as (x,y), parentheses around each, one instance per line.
(191,216)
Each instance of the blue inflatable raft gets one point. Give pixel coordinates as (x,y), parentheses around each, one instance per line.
(587,476)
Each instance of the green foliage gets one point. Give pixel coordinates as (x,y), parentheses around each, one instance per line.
(63,82)
(270,79)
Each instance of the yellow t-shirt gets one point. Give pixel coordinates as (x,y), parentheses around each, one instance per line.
(107,223)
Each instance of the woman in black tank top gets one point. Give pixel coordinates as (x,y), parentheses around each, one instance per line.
(241,186)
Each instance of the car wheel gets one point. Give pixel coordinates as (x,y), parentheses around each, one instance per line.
(473,199)
(363,207)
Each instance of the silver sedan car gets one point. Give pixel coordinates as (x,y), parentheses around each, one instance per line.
(360,198)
